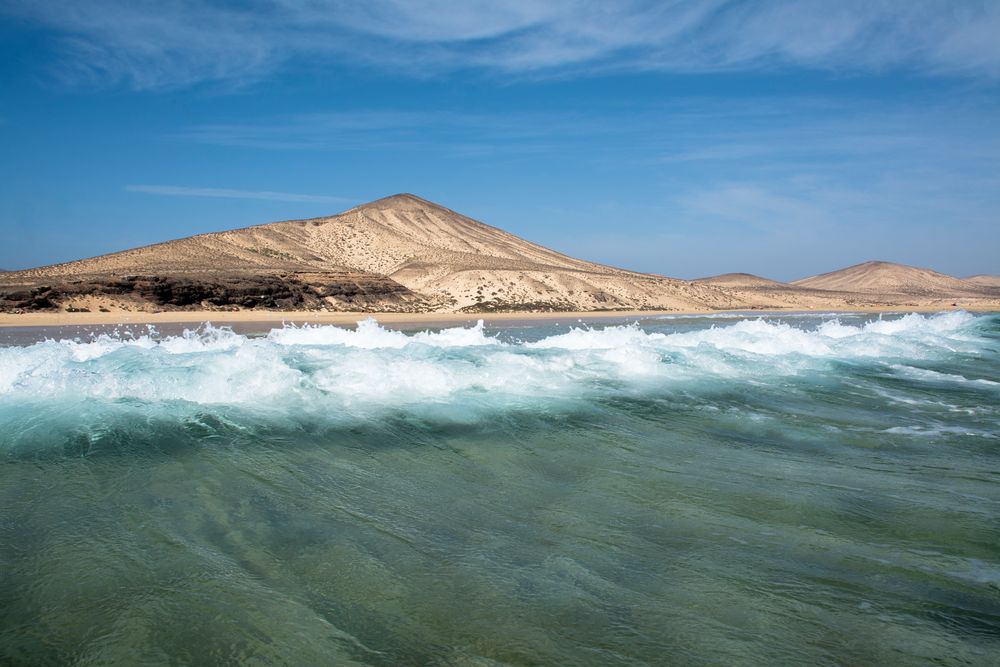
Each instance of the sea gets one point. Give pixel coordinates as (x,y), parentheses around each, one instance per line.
(737,489)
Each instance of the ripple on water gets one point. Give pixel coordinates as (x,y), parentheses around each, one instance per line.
(748,491)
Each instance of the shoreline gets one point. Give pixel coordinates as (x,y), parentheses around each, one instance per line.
(61,319)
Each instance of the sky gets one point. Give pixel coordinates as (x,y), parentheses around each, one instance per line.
(777,137)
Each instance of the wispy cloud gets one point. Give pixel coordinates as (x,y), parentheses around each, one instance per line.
(708,134)
(386,129)
(755,206)
(792,230)
(226,193)
(176,43)
(647,129)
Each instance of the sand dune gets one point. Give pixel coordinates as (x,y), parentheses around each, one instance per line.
(405,254)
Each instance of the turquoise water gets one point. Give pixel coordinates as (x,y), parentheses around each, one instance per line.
(778,490)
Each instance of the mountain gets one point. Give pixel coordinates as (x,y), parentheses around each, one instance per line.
(889,278)
(406,254)
(401,253)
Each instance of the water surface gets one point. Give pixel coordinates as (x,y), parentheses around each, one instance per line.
(777,490)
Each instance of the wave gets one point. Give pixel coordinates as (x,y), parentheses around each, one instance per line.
(334,368)
(369,335)
(928,375)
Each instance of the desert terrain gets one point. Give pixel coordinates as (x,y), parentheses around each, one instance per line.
(872,285)
(403,254)
(983,279)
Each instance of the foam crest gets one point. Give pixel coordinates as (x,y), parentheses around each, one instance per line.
(203,339)
(332,369)
(370,335)
(232,374)
(757,337)
(598,339)
(941,323)
(929,375)
(761,337)
(361,378)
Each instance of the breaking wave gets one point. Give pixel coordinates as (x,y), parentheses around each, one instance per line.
(328,367)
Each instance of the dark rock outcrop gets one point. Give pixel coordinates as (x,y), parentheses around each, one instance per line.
(285,291)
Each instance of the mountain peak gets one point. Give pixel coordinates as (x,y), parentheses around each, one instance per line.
(403,201)
(886,277)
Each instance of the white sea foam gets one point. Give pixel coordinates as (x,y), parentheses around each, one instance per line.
(937,376)
(939,430)
(369,335)
(331,368)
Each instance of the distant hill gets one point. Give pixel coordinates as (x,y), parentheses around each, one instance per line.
(740,280)
(890,278)
(765,294)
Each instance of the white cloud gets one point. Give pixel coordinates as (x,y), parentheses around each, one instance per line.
(176,43)
(750,204)
(226,193)
(381,129)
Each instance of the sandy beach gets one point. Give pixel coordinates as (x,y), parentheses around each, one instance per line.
(57,319)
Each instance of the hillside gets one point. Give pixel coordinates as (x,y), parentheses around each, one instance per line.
(398,253)
(890,278)
(763,293)
(984,279)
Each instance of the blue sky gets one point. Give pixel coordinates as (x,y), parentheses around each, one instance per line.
(684,138)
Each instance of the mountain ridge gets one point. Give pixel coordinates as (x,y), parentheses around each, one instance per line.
(423,253)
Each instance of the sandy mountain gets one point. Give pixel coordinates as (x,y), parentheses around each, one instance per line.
(740,280)
(763,293)
(984,279)
(889,278)
(398,253)
(465,264)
